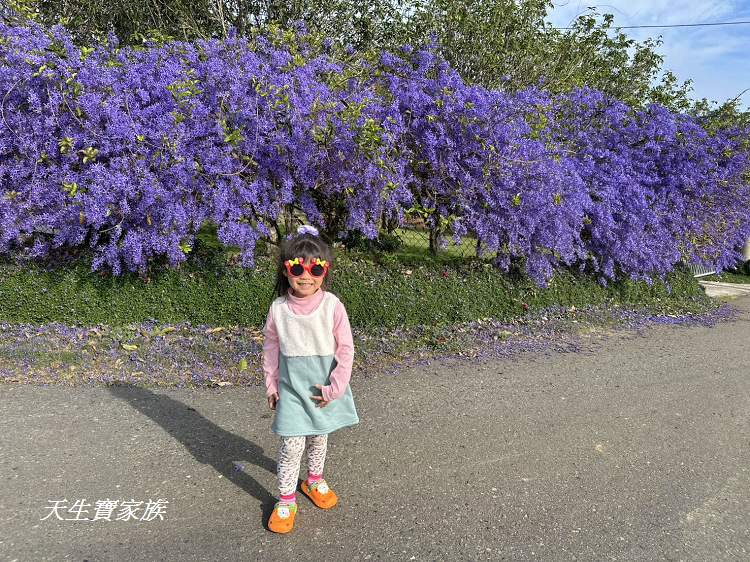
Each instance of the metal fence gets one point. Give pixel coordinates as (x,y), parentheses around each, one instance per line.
(700,271)
(419,240)
(412,237)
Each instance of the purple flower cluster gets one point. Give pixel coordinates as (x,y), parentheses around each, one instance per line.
(130,151)
(660,189)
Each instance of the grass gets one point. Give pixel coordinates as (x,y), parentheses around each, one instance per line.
(728,277)
(199,325)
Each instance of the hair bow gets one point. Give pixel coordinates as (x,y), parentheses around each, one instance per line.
(307,229)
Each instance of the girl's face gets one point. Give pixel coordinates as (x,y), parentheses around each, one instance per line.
(305,285)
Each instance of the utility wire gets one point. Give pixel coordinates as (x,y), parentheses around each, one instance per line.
(672,25)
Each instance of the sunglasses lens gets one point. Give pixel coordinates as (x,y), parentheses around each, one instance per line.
(317,270)
(297,269)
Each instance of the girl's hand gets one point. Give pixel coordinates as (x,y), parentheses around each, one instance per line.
(272,399)
(322,402)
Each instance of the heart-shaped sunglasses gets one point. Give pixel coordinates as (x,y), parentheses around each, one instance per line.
(297,266)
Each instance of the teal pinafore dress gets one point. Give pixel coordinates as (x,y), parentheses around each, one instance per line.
(306,358)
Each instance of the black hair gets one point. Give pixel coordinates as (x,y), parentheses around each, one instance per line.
(306,246)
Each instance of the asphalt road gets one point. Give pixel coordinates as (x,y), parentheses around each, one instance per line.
(637,448)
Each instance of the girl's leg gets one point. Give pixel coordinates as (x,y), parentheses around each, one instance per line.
(290,456)
(317,446)
(315,487)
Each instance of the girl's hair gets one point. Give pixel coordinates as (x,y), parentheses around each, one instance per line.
(306,246)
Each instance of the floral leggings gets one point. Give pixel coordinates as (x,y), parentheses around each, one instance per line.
(290,458)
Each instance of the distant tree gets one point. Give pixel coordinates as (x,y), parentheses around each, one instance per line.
(726,115)
(504,44)
(362,24)
(508,44)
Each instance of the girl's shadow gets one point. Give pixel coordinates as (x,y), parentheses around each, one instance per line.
(206,441)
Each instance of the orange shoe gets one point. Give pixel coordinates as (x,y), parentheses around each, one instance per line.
(282,517)
(319,493)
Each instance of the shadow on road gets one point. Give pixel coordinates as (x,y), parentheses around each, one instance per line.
(206,441)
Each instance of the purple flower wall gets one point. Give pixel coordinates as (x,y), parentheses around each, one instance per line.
(130,151)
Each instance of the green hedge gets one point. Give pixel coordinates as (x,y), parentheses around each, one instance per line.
(376,293)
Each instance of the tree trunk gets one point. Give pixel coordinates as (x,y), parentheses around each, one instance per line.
(289,219)
(434,241)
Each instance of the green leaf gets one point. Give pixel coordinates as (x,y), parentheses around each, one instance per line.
(89,154)
(71,188)
(234,137)
(65,144)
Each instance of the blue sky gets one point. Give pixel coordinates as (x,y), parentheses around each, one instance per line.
(715,58)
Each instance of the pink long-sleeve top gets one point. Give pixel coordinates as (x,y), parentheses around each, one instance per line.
(342,333)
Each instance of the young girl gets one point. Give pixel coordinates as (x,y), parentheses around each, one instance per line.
(307,361)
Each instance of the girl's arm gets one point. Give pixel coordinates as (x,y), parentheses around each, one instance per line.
(344,354)
(271,356)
